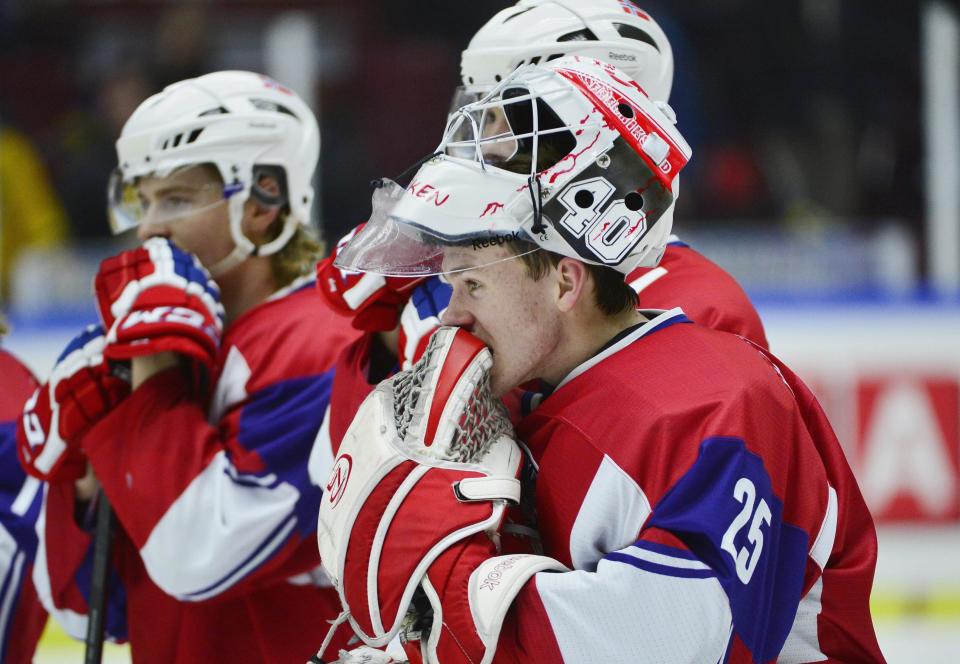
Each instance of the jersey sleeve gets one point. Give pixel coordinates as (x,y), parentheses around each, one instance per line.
(64,565)
(21,615)
(714,573)
(236,495)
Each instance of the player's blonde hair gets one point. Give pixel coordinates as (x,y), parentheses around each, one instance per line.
(298,257)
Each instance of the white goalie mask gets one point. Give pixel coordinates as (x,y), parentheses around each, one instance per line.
(243,125)
(539,31)
(572,157)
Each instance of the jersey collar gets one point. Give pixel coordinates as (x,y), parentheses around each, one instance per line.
(295,285)
(659,319)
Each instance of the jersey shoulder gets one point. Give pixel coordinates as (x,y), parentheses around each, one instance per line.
(295,333)
(18,384)
(709,295)
(682,383)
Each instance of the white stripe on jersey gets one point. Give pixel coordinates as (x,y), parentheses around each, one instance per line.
(13,588)
(610,517)
(803,641)
(823,545)
(661,318)
(25,497)
(320,463)
(228,525)
(231,387)
(640,283)
(663,559)
(622,614)
(74,624)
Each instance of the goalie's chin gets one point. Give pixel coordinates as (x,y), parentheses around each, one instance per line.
(499,383)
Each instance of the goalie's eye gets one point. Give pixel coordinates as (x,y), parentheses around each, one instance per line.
(472,285)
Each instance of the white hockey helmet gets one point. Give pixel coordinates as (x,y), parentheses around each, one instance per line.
(571,156)
(538,31)
(242,123)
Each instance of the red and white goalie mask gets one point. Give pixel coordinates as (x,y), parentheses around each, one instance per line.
(571,156)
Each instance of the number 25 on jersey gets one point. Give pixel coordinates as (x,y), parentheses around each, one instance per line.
(747,557)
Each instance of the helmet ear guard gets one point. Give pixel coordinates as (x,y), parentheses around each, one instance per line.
(261,194)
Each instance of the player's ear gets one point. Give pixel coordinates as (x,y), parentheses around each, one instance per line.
(571,279)
(258,216)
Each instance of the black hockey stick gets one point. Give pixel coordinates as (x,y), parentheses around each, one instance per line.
(99,586)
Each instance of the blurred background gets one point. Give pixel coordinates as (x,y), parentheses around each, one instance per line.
(825,177)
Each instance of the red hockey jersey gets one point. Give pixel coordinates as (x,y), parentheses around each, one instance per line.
(684,278)
(698,493)
(217,560)
(22,617)
(706,292)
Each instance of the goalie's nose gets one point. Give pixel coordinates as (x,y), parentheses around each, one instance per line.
(456,314)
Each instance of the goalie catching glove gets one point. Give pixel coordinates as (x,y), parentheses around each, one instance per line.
(80,391)
(159,298)
(415,504)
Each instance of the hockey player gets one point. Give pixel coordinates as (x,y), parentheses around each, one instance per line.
(22,622)
(209,456)
(694,503)
(529,32)
(618,32)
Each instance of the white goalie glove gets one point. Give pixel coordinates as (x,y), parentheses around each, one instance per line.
(361,655)
(415,504)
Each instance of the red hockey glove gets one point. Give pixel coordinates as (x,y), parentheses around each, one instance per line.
(80,391)
(159,298)
(371,300)
(415,504)
(420,318)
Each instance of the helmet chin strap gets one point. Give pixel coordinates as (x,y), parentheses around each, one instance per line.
(243,247)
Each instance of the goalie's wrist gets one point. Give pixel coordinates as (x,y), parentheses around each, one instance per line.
(145,367)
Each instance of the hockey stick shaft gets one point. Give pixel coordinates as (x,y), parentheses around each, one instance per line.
(96,618)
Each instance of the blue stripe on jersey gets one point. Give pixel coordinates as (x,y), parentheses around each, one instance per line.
(280,423)
(272,542)
(12,479)
(679,318)
(431,297)
(666,550)
(725,512)
(677,243)
(527,402)
(252,481)
(656,568)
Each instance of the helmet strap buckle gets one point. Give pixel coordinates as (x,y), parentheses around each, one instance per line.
(535,198)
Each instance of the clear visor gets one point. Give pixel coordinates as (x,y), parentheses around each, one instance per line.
(185,192)
(394,243)
(463,96)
